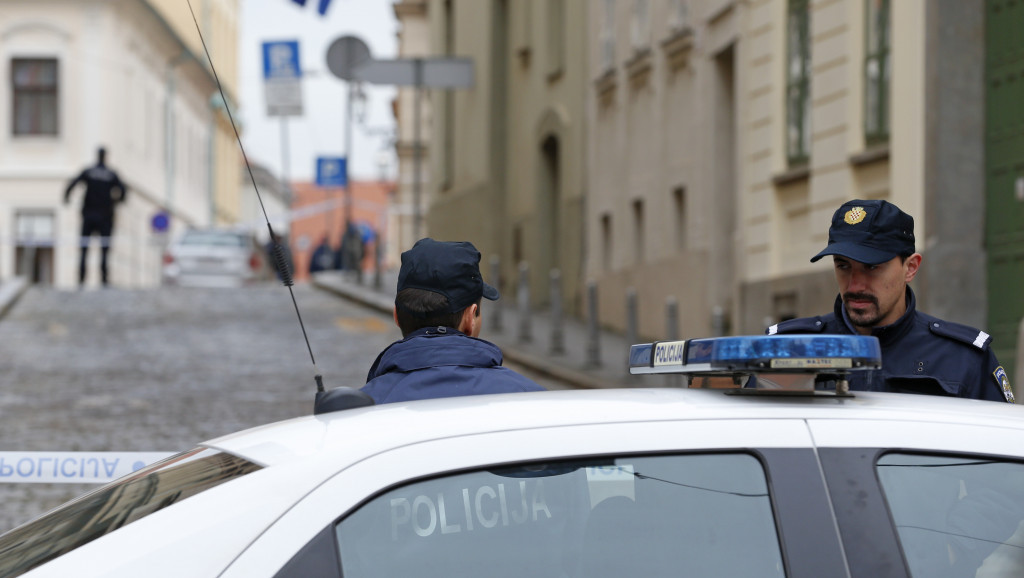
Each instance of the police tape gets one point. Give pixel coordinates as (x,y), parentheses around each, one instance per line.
(72,467)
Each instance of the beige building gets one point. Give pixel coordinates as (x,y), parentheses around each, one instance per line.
(413,122)
(507,160)
(695,150)
(129,75)
(725,133)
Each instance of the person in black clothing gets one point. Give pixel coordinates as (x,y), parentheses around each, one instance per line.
(97,208)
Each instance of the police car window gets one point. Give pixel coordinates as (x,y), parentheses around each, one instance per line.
(634,516)
(956,516)
(115,505)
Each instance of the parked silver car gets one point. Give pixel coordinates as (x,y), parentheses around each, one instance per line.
(213,258)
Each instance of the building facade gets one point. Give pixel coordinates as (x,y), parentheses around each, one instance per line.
(507,156)
(692,152)
(412,112)
(130,76)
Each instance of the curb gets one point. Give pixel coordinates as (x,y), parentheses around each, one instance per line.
(10,291)
(576,378)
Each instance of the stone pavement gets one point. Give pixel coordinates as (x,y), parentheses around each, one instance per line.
(571,367)
(10,291)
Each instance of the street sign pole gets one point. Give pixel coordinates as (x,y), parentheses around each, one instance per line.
(417,181)
(444,73)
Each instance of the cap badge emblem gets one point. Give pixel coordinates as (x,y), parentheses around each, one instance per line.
(855,215)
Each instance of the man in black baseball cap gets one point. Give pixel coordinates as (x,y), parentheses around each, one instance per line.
(872,247)
(437,307)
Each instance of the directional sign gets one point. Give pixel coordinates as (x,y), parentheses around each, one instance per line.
(429,72)
(282,78)
(330,172)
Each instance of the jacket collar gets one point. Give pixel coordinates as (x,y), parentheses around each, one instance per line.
(886,334)
(419,350)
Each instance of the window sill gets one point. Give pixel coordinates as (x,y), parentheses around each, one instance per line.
(605,85)
(791,176)
(677,47)
(638,67)
(873,154)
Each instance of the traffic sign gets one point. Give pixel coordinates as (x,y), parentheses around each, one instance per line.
(160,222)
(345,54)
(282,78)
(330,172)
(431,72)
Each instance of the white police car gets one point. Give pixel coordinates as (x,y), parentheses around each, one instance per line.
(632,482)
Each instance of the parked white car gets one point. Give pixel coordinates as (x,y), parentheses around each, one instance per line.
(630,482)
(213,258)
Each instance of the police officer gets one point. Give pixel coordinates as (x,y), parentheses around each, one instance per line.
(438,310)
(872,248)
(97,208)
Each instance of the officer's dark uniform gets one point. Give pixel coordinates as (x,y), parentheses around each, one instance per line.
(432,362)
(97,209)
(920,354)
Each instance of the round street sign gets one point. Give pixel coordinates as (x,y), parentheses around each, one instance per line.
(346,54)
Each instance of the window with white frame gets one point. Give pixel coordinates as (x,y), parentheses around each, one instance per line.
(608,36)
(798,83)
(876,72)
(641,36)
(34,85)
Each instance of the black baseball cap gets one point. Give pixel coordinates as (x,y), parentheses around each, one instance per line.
(450,268)
(870,232)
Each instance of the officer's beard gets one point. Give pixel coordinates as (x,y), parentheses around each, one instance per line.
(868,316)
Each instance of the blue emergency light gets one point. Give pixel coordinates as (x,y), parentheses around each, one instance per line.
(831,354)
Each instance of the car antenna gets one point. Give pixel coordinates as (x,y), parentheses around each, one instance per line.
(281,261)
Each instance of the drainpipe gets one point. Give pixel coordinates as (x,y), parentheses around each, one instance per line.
(169,133)
(216,105)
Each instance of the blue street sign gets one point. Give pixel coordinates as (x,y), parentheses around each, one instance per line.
(330,172)
(281,60)
(160,222)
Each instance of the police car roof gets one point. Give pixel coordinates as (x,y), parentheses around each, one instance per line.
(352,435)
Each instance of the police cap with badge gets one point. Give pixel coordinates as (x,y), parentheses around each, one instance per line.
(871,232)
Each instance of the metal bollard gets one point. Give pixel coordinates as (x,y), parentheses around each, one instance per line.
(523,302)
(378,258)
(593,327)
(671,319)
(495,307)
(557,329)
(632,323)
(718,321)
(672,334)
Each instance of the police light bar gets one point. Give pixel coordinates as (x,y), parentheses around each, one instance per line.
(758,354)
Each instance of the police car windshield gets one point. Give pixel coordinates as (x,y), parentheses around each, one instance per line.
(115,505)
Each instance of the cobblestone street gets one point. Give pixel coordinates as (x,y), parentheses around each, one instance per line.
(162,370)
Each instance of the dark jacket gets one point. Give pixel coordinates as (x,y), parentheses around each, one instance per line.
(920,354)
(100,183)
(441,362)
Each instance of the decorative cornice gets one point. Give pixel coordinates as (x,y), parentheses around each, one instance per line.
(410,9)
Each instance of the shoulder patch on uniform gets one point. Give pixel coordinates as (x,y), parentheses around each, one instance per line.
(1004,383)
(801,325)
(962,333)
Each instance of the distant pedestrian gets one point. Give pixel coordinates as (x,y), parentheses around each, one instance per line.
(103,190)
(872,245)
(438,310)
(322,258)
